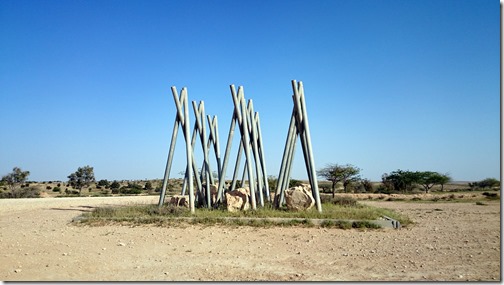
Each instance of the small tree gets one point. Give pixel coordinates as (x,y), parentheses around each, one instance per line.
(83,177)
(115,185)
(148,185)
(16,177)
(400,180)
(429,178)
(335,173)
(367,185)
(103,183)
(443,179)
(485,183)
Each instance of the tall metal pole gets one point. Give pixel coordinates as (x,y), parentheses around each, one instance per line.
(189,153)
(246,146)
(261,156)
(253,130)
(179,119)
(299,89)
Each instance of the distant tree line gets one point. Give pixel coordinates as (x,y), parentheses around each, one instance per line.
(399,181)
(14,185)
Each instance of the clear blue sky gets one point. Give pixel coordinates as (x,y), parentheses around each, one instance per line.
(389,85)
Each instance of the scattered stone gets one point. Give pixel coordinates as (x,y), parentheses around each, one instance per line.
(17,270)
(121,244)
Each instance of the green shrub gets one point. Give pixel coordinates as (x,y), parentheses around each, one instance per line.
(125,190)
(56,189)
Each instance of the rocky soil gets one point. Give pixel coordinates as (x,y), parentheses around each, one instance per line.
(448,242)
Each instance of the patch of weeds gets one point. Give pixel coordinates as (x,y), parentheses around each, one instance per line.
(394,199)
(416,199)
(345,225)
(435,199)
(479,203)
(365,224)
(345,201)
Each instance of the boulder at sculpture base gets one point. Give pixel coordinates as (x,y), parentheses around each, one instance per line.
(238,200)
(299,198)
(180,200)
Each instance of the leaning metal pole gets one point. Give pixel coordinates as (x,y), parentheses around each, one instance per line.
(179,119)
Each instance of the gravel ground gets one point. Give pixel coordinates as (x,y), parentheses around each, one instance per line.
(448,242)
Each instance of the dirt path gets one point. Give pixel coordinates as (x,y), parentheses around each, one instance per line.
(450,241)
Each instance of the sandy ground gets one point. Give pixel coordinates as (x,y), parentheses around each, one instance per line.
(449,241)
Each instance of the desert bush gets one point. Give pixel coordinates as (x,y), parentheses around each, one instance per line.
(491,196)
(125,190)
(25,192)
(148,186)
(294,183)
(48,187)
(485,183)
(394,199)
(384,189)
(115,185)
(103,183)
(56,189)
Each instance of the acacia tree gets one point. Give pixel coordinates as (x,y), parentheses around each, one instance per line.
(83,177)
(430,178)
(17,176)
(404,181)
(335,173)
(400,180)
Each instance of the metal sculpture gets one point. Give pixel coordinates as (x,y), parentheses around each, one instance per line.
(298,127)
(250,143)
